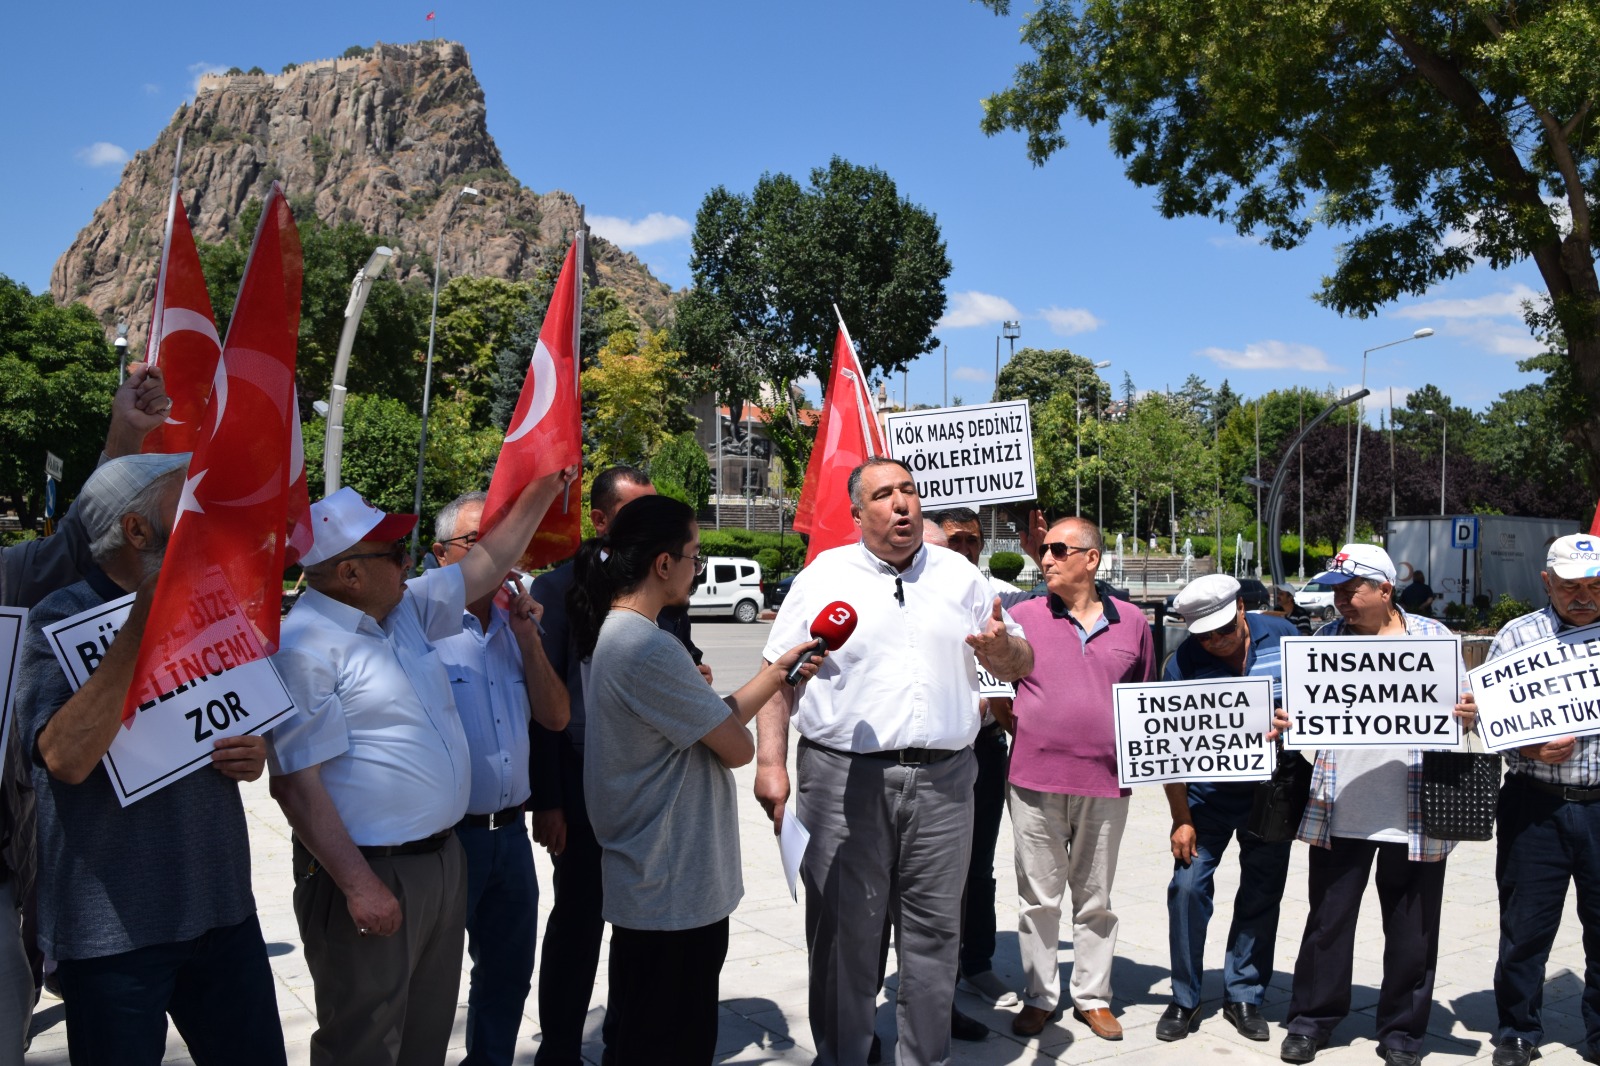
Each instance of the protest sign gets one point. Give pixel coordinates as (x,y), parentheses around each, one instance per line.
(1540,691)
(1208,730)
(966,455)
(991,686)
(1371,692)
(12,622)
(172,735)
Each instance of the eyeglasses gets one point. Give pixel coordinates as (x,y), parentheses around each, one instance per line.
(396,554)
(469,538)
(1060,550)
(1359,569)
(1217,634)
(699,561)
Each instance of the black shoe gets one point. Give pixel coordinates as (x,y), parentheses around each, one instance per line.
(1176,1022)
(1396,1057)
(1246,1017)
(875,1052)
(965,1028)
(1515,1051)
(1298,1048)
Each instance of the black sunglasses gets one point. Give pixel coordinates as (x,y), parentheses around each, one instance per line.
(396,554)
(1061,550)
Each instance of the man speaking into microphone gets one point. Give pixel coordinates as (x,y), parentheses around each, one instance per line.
(885,764)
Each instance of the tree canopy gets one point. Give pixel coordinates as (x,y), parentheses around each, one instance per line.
(1432,134)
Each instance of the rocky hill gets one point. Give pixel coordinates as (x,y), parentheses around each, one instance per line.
(387,140)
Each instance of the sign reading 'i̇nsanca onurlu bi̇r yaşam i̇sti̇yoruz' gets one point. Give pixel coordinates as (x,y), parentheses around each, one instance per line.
(1212,729)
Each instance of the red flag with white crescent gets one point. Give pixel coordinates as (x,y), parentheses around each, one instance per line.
(546,431)
(847,434)
(218,597)
(183,335)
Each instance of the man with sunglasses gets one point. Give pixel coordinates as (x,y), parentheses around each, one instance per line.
(1224,641)
(1067,810)
(373,772)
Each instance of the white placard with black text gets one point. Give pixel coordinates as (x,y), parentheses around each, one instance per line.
(171,737)
(1208,730)
(1540,691)
(13,621)
(966,456)
(1371,692)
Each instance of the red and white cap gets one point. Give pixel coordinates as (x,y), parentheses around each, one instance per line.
(1367,561)
(345,519)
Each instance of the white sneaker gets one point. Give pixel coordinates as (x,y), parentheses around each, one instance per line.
(989,986)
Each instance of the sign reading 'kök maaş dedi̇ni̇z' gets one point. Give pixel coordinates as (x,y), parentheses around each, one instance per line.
(1374,692)
(964,456)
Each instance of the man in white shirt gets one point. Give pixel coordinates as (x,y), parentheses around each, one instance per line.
(373,773)
(885,765)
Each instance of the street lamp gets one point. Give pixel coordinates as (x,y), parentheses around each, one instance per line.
(427,376)
(333,448)
(1444,450)
(1077,410)
(121,345)
(1361,423)
(1011,330)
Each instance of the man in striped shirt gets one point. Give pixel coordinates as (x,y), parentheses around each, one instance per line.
(1549,828)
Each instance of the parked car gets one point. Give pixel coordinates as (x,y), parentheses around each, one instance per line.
(776,593)
(729,587)
(1316,599)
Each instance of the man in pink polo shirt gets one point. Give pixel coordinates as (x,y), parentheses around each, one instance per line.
(1067,812)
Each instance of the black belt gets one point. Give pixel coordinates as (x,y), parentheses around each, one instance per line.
(425,846)
(903,756)
(497,820)
(1565,792)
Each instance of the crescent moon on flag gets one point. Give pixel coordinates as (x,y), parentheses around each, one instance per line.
(179,319)
(544,392)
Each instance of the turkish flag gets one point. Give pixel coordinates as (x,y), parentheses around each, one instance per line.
(218,596)
(183,336)
(546,431)
(847,434)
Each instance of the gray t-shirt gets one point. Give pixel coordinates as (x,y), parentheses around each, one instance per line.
(1370,802)
(111,878)
(663,806)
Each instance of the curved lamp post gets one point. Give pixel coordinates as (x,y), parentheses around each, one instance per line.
(1361,423)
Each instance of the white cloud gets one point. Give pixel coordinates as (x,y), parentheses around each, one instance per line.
(151,88)
(977,309)
(654,228)
(1496,338)
(1506,304)
(971,373)
(102,154)
(200,70)
(1269,355)
(1235,240)
(1065,321)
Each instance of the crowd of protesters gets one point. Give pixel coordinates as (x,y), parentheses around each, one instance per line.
(447,723)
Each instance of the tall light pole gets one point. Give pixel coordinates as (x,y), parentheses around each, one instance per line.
(121,345)
(1011,330)
(1361,424)
(1077,410)
(1444,448)
(333,446)
(427,375)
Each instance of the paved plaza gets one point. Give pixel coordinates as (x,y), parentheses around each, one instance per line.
(764,1011)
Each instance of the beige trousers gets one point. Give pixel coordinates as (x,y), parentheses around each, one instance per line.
(1066,842)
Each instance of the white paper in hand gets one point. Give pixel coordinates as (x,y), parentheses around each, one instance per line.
(792,840)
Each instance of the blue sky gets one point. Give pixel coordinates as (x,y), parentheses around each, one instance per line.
(639,108)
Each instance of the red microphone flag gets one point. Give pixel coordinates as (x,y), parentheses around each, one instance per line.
(218,596)
(847,434)
(183,333)
(546,431)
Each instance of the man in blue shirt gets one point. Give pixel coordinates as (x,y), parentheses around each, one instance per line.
(498,676)
(1224,641)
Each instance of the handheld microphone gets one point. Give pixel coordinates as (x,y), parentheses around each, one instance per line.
(832,627)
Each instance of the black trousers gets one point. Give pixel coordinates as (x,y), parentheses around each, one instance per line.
(988,804)
(571,947)
(1410,895)
(663,1000)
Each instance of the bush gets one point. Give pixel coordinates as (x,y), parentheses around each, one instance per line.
(1005,566)
(746,544)
(767,559)
(1506,608)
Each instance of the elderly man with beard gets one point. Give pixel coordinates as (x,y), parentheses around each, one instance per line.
(146,908)
(1548,830)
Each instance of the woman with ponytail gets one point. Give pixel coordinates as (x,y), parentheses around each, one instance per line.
(657,780)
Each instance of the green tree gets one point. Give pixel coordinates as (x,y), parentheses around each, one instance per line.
(1430,133)
(681,470)
(632,386)
(769,268)
(1157,452)
(477,318)
(1416,424)
(1035,375)
(57,374)
(1520,441)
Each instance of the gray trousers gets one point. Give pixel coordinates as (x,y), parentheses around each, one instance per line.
(888,842)
(16,981)
(385,1000)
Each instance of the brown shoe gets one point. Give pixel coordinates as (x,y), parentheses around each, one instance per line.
(1030,1021)
(1101,1022)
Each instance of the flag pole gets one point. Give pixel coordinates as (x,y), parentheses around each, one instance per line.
(152,348)
(858,374)
(581,239)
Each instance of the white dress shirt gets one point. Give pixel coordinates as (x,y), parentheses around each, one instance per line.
(906,677)
(375,710)
(491,695)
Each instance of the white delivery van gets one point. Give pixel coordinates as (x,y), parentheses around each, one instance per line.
(729,587)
